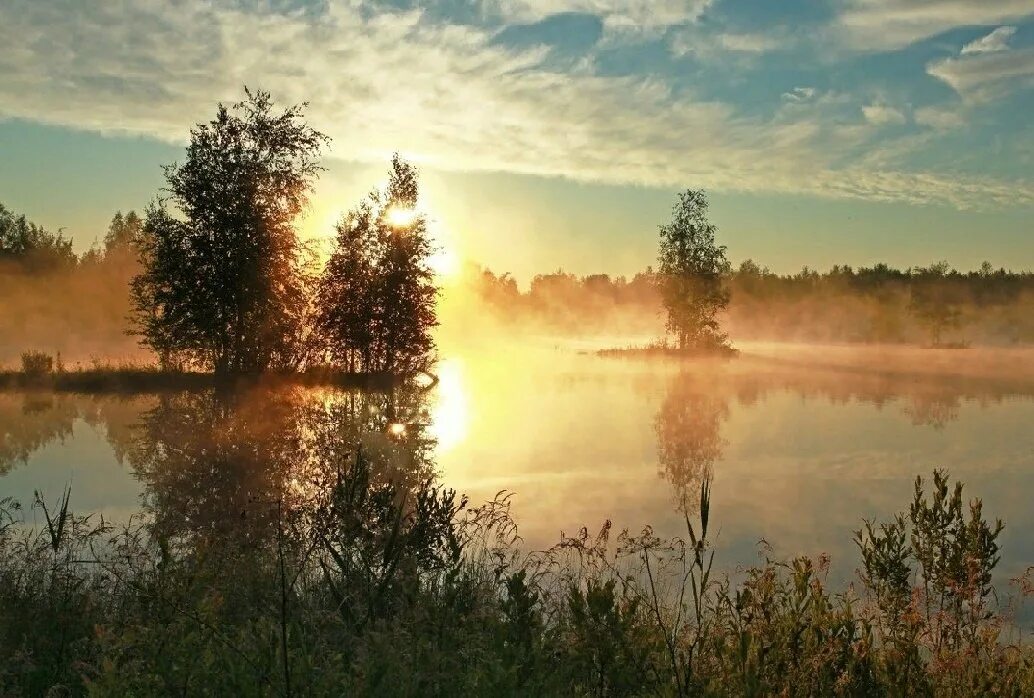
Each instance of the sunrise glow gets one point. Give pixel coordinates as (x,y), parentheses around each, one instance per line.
(450,416)
(398,217)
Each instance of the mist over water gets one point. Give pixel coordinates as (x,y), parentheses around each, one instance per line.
(802,442)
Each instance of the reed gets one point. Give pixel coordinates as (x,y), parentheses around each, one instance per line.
(380,588)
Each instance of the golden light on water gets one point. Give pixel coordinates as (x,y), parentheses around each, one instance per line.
(450,416)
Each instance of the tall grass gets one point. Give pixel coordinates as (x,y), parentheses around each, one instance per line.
(375,588)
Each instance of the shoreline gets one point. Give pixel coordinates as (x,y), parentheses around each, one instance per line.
(144,380)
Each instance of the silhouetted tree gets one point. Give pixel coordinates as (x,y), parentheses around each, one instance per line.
(31,246)
(124,232)
(376,297)
(692,267)
(222,285)
(345,296)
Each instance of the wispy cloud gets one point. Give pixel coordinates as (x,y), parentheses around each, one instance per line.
(890,24)
(443,93)
(982,77)
(749,43)
(704,42)
(799,94)
(998,40)
(642,13)
(883,115)
(938,118)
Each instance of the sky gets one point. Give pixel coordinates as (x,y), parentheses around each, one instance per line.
(555,133)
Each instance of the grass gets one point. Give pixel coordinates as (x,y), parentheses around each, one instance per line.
(375,588)
(39,372)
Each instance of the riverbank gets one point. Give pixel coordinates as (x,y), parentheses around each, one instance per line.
(146,379)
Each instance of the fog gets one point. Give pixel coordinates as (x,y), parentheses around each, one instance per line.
(79,313)
(878,305)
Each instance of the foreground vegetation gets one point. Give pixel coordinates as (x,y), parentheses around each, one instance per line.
(374,585)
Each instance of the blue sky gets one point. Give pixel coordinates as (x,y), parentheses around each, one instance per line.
(554,133)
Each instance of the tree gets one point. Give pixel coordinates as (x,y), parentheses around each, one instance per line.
(935,300)
(222,281)
(691,275)
(346,295)
(123,234)
(376,297)
(31,246)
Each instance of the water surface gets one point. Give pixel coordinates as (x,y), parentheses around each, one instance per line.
(801,445)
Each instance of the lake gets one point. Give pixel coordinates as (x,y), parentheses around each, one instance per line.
(801,443)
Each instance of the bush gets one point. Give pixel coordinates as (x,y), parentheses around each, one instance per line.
(37,363)
(386,589)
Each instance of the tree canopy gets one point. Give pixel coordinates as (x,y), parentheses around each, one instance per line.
(691,270)
(30,246)
(222,281)
(124,233)
(376,297)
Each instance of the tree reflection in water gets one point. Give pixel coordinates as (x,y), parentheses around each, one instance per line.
(933,409)
(689,441)
(29,421)
(230,465)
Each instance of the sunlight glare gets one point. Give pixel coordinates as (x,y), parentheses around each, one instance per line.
(444,263)
(450,416)
(399,217)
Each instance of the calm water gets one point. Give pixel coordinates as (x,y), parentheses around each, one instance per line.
(801,445)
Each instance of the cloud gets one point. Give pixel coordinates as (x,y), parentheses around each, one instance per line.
(444,94)
(938,119)
(998,40)
(748,43)
(882,115)
(638,13)
(705,43)
(982,77)
(893,24)
(798,95)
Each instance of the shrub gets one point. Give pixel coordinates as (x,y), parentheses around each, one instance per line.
(37,363)
(382,588)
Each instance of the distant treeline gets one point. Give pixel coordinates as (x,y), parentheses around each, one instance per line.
(56,300)
(925,305)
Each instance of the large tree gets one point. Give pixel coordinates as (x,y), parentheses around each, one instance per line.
(691,275)
(222,286)
(377,296)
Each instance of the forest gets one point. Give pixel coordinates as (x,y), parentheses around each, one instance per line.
(935,305)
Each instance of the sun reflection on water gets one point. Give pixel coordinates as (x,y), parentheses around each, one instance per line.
(450,415)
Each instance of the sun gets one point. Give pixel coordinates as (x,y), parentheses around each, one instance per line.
(400,217)
(445,262)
